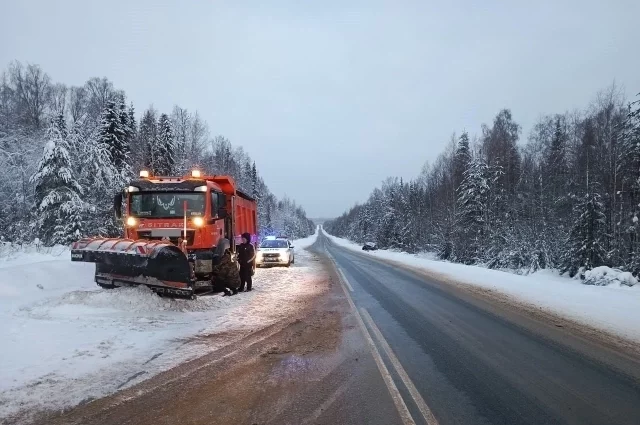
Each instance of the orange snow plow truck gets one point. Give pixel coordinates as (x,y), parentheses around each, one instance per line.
(172,226)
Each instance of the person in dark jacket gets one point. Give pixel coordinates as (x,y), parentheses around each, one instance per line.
(225,272)
(246,255)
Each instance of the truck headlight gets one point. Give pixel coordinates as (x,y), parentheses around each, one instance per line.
(131,221)
(198,221)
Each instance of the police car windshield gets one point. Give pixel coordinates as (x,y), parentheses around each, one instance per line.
(274,244)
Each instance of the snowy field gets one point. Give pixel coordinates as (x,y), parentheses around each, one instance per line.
(614,308)
(65,341)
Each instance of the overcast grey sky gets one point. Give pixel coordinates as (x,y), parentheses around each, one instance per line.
(331,97)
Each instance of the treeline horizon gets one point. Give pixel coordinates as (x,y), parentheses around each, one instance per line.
(66,150)
(568,198)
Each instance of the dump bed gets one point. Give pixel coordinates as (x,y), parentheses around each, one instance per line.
(246,216)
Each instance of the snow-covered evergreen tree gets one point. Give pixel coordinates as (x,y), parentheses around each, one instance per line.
(59,208)
(181,121)
(630,170)
(165,161)
(585,248)
(113,134)
(471,212)
(245,182)
(101,181)
(128,120)
(462,159)
(147,141)
(555,211)
(92,144)
(254,182)
(124,118)
(133,126)
(61,125)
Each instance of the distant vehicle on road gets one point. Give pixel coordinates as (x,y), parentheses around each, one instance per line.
(275,251)
(369,246)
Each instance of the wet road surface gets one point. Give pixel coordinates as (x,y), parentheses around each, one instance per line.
(314,367)
(467,365)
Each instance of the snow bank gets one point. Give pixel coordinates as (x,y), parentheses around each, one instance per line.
(603,276)
(613,308)
(12,253)
(306,242)
(65,340)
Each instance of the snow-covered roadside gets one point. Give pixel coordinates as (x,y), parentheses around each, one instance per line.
(304,243)
(611,308)
(64,340)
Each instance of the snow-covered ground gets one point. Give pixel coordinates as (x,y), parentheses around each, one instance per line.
(64,340)
(614,308)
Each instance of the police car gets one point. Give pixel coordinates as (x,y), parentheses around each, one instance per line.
(275,251)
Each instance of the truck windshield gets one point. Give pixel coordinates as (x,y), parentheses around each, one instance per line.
(166,205)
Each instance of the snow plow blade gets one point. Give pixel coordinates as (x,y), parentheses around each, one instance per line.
(161,266)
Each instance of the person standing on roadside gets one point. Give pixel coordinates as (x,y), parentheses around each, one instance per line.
(246,255)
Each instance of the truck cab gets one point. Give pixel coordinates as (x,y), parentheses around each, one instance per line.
(193,212)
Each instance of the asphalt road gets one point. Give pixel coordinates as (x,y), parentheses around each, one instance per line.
(382,345)
(454,362)
(313,367)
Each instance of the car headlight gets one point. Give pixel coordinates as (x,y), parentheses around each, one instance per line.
(198,221)
(131,221)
